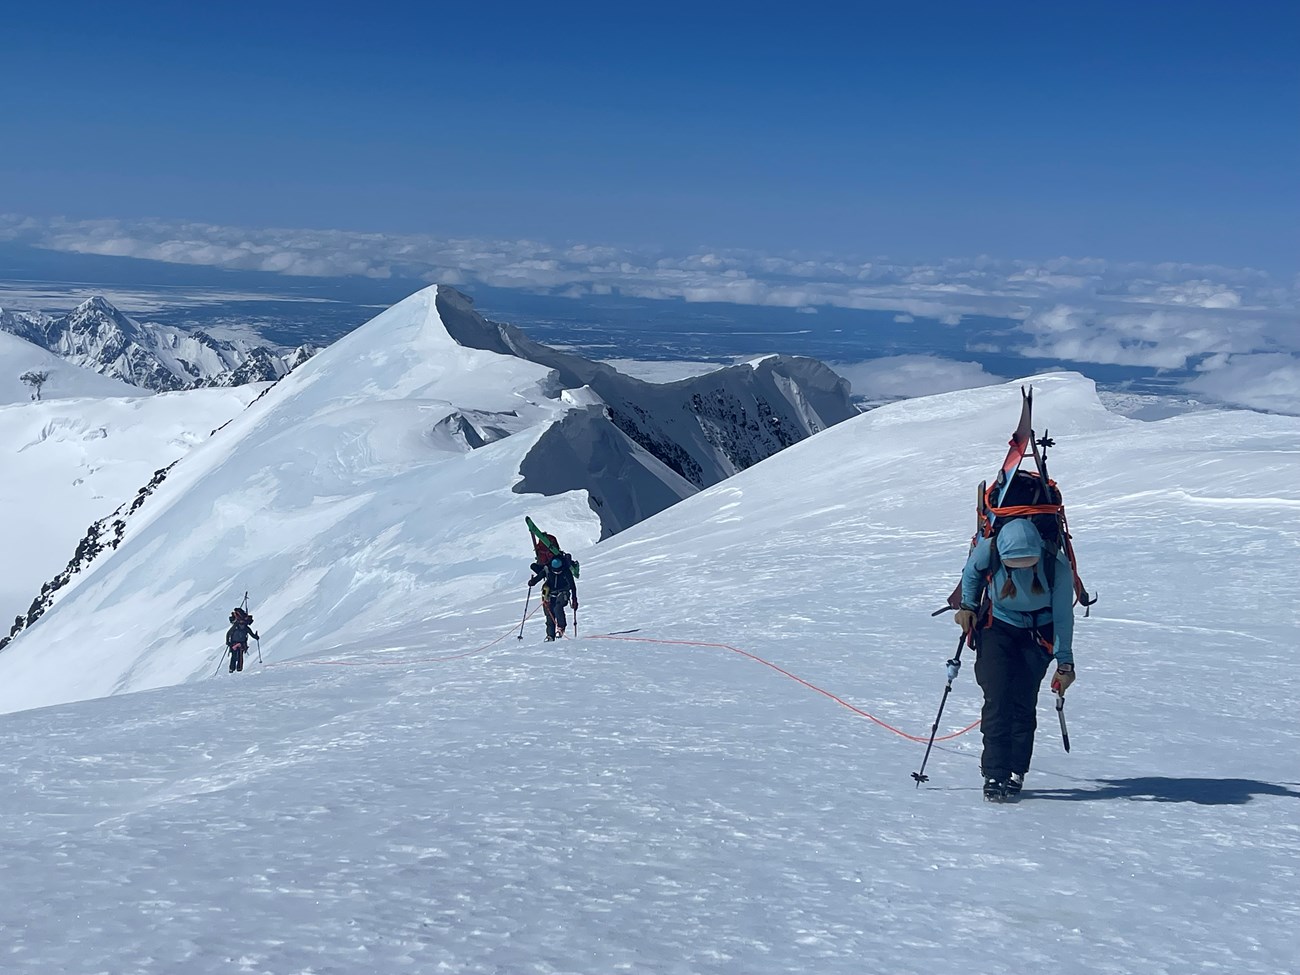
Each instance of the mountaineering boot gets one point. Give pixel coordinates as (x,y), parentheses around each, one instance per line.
(1015,784)
(559,634)
(549,639)
(996,790)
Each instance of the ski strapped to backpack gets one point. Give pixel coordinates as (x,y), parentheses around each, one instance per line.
(547,547)
(1034,495)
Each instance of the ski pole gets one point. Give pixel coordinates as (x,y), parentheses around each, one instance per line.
(954,665)
(221,661)
(525,619)
(259,650)
(1060,713)
(575,622)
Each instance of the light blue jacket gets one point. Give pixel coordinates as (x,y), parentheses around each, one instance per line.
(1026,609)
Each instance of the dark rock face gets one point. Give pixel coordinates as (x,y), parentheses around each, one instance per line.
(705,428)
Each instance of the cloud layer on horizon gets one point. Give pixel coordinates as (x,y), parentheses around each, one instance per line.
(1238,328)
(904,376)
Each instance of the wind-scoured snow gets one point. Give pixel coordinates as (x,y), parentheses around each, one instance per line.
(432,794)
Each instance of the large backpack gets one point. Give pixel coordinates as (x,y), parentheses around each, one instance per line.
(545,554)
(546,547)
(1027,496)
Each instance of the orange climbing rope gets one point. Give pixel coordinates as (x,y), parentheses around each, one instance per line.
(794,677)
(406,661)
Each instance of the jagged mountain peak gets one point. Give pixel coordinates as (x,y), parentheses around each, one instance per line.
(99,336)
(98,308)
(97,303)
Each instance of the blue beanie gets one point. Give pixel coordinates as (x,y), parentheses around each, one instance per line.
(557,563)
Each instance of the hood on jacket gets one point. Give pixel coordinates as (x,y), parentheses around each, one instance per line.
(1019,542)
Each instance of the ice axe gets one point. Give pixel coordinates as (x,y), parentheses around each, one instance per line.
(1060,713)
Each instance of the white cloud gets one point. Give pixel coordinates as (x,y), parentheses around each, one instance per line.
(1266,381)
(1167,338)
(1163,316)
(902,376)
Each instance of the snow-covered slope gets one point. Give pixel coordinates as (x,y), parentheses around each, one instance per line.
(438,796)
(18,356)
(338,496)
(342,488)
(68,462)
(98,336)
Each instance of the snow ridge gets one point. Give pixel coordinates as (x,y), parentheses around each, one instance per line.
(704,428)
(407,445)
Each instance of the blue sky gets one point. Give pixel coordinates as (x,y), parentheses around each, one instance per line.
(1143,132)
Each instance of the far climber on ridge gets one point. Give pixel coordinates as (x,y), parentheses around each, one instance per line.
(237,637)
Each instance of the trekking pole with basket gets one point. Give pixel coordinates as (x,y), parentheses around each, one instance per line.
(525,619)
(954,666)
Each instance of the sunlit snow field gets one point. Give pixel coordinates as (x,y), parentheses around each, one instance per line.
(433,794)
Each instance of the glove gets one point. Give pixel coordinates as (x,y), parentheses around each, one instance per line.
(1063,679)
(534,581)
(256,637)
(574,602)
(965,618)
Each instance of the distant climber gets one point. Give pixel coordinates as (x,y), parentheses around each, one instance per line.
(558,589)
(237,637)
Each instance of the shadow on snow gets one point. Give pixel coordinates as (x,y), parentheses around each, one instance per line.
(1205,792)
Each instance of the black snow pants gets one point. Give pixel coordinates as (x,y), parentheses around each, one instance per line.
(554,603)
(237,656)
(1010,663)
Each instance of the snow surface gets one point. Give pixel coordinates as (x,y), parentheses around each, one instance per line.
(662,370)
(433,795)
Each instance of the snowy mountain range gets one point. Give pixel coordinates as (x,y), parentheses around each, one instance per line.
(398,404)
(63,379)
(99,337)
(711,775)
